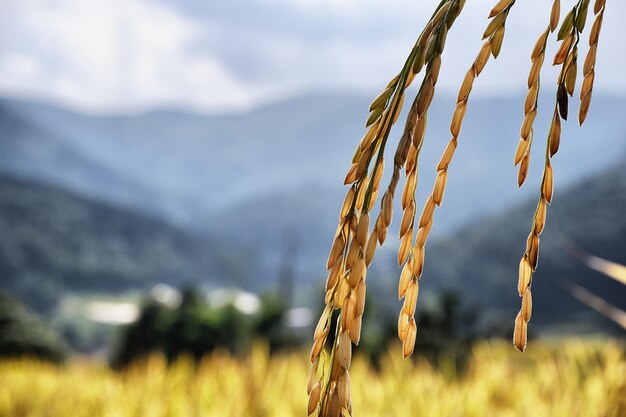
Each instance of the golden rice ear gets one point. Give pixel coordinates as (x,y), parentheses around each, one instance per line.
(334,408)
(561,54)
(382,98)
(355,330)
(496,41)
(343,389)
(387,208)
(567,58)
(554,137)
(370,248)
(427,212)
(531,96)
(482,58)
(540,45)
(494,25)
(540,217)
(527,125)
(354,245)
(351,175)
(409,189)
(457,118)
(527,305)
(314,398)
(590,61)
(418,260)
(422,234)
(410,301)
(405,279)
(407,218)
(359,306)
(598,6)
(535,69)
(408,284)
(409,339)
(548,183)
(554,15)
(499,8)
(466,87)
(363,229)
(448,153)
(419,130)
(344,349)
(525,275)
(335,251)
(566,26)
(523,170)
(522,149)
(532,248)
(520,332)
(405,246)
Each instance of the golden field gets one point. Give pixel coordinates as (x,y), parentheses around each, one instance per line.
(565,378)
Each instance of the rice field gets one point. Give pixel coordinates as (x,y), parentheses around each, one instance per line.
(566,378)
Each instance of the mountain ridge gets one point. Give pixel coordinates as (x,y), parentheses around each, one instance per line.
(209,175)
(53,241)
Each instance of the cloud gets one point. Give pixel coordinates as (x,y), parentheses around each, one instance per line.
(219,55)
(104,55)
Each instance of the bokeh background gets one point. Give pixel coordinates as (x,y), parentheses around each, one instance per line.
(171,175)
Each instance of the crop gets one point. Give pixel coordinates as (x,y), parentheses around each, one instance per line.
(570,379)
(354,246)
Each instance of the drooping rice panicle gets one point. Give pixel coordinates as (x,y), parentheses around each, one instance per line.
(566,57)
(350,253)
(415,131)
(522,154)
(495,35)
(589,66)
(354,245)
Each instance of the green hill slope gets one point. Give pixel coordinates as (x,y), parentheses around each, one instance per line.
(482,260)
(52,241)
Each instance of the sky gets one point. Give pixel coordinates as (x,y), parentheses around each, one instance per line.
(233,55)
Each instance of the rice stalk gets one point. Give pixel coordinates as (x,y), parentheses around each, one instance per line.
(590,62)
(354,245)
(495,35)
(522,154)
(415,131)
(352,249)
(566,57)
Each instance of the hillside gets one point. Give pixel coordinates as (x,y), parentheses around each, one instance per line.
(53,242)
(185,165)
(253,177)
(32,150)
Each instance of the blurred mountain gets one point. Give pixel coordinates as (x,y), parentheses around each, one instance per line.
(186,164)
(24,334)
(34,151)
(481,260)
(53,242)
(277,171)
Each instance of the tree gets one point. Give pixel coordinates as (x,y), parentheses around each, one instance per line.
(23,333)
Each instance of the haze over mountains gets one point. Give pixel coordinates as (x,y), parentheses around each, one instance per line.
(271,178)
(261,173)
(183,164)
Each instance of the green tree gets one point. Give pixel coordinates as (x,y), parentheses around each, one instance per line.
(23,333)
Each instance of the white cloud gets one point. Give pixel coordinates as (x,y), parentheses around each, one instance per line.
(21,66)
(132,54)
(322,5)
(111,54)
